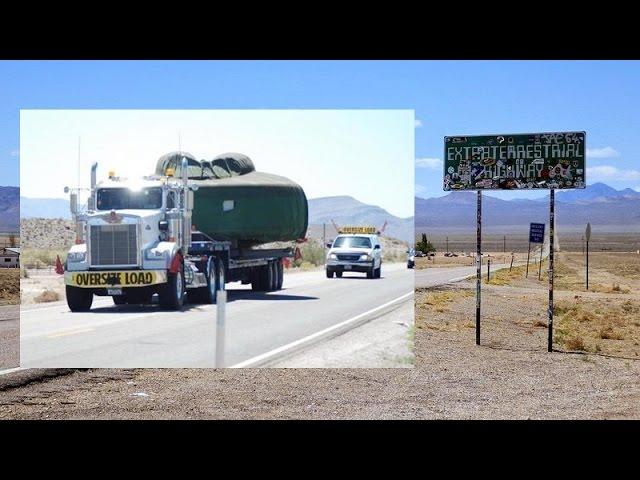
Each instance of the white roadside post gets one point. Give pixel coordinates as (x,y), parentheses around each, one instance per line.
(221,311)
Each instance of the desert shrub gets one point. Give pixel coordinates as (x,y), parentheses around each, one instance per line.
(47,296)
(574,343)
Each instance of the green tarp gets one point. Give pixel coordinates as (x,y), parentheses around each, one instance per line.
(235,202)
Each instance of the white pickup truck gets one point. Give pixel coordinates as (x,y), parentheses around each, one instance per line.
(354,253)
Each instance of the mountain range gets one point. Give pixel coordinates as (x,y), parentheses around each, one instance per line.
(344,210)
(599,204)
(9,209)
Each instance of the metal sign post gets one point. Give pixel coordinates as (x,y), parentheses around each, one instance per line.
(221,310)
(587,234)
(478,264)
(540,263)
(551,245)
(528,254)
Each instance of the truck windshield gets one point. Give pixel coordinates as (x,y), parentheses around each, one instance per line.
(352,242)
(125,198)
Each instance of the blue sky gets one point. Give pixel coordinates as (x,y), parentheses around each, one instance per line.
(324,151)
(449,98)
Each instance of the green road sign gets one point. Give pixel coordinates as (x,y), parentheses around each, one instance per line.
(515,161)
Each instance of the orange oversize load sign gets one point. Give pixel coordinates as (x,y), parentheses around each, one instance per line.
(367,230)
(132,278)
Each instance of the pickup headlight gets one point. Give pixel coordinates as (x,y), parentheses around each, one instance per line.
(333,256)
(75,257)
(365,257)
(153,254)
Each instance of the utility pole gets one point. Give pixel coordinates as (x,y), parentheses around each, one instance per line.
(504,244)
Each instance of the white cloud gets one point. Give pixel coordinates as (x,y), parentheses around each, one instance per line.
(14,153)
(420,189)
(418,123)
(605,152)
(430,163)
(637,189)
(608,172)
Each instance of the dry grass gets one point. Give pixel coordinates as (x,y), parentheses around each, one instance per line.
(599,325)
(506,277)
(9,286)
(47,296)
(439,300)
(41,257)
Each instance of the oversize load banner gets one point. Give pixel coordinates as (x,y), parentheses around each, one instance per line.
(519,161)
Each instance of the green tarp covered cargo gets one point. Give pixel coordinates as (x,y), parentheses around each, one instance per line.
(235,202)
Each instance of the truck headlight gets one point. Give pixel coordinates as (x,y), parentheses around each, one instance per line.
(153,254)
(364,257)
(75,257)
(333,256)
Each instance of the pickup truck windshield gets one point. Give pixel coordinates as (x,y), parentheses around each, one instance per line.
(352,242)
(125,198)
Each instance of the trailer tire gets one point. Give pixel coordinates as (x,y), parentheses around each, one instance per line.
(273,265)
(339,274)
(78,299)
(172,293)
(256,279)
(280,270)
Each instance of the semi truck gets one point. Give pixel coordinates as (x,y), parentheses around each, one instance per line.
(136,239)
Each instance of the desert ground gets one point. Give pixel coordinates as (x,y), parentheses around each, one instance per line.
(510,375)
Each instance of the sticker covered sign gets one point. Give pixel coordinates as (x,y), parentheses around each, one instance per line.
(515,161)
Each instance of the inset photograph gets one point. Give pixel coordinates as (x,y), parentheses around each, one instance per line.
(216,238)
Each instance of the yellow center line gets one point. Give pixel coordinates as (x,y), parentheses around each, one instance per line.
(70,332)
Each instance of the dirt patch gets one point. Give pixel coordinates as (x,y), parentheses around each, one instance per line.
(9,286)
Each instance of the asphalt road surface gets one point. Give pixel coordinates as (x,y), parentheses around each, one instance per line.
(9,336)
(112,336)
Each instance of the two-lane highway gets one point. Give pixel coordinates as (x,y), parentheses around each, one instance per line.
(256,323)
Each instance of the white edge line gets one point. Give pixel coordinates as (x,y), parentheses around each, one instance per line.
(277,351)
(12,370)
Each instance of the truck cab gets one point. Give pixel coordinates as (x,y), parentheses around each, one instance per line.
(354,252)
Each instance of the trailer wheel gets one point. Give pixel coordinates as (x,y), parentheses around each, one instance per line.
(256,279)
(280,274)
(79,299)
(171,294)
(339,274)
(274,276)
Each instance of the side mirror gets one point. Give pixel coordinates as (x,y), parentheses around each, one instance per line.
(329,245)
(163,225)
(377,247)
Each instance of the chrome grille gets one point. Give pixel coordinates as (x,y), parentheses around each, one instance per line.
(348,257)
(113,245)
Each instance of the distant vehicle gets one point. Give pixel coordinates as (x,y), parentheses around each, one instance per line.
(354,252)
(450,254)
(411,253)
(431,254)
(419,253)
